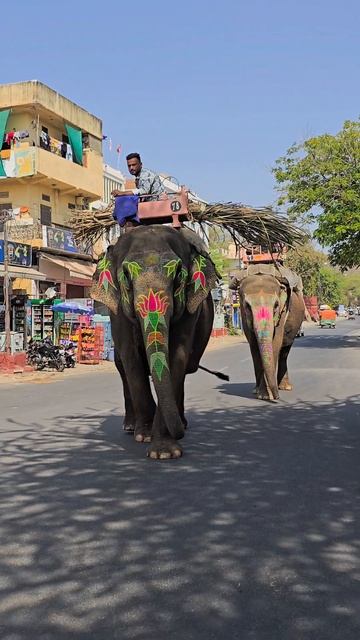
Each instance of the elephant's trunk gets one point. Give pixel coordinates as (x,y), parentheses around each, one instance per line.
(154,316)
(267,357)
(264,330)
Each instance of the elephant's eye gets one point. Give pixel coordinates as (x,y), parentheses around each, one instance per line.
(276,305)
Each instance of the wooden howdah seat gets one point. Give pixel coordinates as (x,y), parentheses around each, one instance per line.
(168,207)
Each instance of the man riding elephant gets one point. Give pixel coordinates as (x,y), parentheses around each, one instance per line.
(148,186)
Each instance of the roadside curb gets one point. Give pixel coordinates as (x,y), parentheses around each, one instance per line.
(106,366)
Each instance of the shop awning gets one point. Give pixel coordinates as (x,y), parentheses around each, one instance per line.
(23,272)
(75,268)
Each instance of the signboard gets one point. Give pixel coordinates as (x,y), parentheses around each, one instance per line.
(62,239)
(19,255)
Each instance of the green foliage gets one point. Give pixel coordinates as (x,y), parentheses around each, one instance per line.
(319,279)
(350,287)
(222,263)
(218,246)
(307,262)
(329,286)
(318,181)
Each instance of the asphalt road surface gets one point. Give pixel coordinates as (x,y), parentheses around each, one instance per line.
(254,534)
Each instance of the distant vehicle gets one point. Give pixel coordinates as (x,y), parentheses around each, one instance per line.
(341,311)
(327,318)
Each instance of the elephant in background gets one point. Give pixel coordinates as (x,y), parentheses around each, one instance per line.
(156,281)
(272,312)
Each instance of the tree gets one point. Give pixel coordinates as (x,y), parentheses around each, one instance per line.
(350,286)
(318,182)
(319,279)
(329,286)
(218,245)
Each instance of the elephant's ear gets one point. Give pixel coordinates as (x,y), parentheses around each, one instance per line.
(236,280)
(202,278)
(104,288)
(284,297)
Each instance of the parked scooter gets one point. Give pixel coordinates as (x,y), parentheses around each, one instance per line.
(69,354)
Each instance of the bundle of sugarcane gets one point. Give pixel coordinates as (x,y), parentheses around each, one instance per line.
(89,226)
(248,225)
(245,225)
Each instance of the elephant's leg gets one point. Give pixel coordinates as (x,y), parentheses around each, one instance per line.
(283,375)
(137,391)
(261,390)
(181,341)
(182,409)
(130,419)
(163,445)
(202,334)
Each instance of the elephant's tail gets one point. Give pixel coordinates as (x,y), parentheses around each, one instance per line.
(218,374)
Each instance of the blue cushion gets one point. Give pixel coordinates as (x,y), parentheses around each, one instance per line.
(126,208)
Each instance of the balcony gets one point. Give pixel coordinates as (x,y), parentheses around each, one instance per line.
(53,170)
(71,177)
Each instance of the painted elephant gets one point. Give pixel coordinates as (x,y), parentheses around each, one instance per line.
(272,312)
(156,282)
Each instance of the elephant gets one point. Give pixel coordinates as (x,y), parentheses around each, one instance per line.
(156,281)
(272,310)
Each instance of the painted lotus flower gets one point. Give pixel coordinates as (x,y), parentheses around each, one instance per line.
(152,303)
(105,276)
(198,276)
(263,313)
(152,308)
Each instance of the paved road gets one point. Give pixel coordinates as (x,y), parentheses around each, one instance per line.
(254,534)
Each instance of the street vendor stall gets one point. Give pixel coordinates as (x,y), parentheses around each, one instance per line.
(73,317)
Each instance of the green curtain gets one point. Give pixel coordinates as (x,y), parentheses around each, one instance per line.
(75,139)
(4,114)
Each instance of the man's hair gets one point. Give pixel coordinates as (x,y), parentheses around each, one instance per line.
(133,155)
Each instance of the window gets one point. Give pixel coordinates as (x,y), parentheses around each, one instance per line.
(65,138)
(85,141)
(45,197)
(71,205)
(45,129)
(45,214)
(4,194)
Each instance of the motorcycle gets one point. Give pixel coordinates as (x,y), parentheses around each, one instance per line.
(44,353)
(69,354)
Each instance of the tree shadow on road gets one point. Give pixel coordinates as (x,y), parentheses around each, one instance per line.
(325,341)
(252,535)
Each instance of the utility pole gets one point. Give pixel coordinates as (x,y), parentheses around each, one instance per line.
(7,215)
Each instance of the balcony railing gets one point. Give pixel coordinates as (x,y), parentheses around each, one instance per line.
(60,148)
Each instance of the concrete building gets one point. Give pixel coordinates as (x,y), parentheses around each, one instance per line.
(50,164)
(112,179)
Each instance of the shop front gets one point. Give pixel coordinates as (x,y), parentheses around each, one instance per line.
(24,284)
(71,277)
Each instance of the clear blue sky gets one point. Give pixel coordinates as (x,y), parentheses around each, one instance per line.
(209,92)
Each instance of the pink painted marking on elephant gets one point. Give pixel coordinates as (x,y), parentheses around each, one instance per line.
(263,313)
